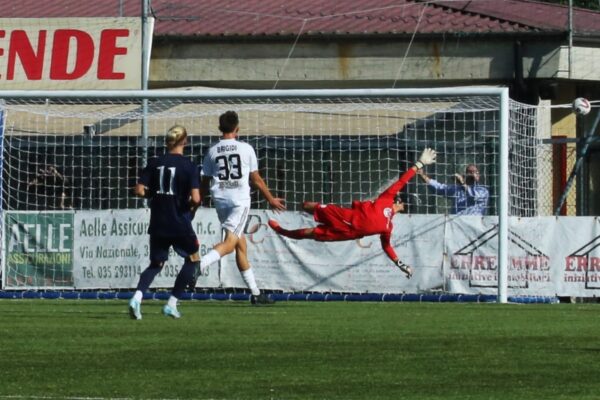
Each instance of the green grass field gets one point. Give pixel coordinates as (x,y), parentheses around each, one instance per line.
(58,349)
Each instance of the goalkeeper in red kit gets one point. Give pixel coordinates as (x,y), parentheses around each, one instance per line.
(364,218)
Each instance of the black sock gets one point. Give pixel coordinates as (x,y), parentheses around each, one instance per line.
(147,277)
(184,278)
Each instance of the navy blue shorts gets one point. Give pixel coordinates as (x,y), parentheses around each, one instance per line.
(185,246)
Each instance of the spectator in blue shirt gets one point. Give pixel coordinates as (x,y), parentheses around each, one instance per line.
(470,197)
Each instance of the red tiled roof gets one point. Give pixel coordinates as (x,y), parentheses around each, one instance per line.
(318,17)
(323,17)
(543,16)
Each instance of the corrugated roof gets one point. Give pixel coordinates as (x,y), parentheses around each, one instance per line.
(322,17)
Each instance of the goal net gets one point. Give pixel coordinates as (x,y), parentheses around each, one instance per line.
(62,155)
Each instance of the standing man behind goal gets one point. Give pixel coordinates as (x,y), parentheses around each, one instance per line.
(469,195)
(229,167)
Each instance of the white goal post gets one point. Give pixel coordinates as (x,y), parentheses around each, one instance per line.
(365,134)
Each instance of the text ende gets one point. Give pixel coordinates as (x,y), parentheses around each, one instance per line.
(71,55)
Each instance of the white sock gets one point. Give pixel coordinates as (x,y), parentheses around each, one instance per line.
(248,276)
(138,296)
(210,257)
(172,302)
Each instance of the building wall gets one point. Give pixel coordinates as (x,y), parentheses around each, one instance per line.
(349,63)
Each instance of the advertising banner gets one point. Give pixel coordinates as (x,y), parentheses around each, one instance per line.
(472,263)
(349,266)
(39,249)
(70,53)
(548,256)
(576,269)
(112,248)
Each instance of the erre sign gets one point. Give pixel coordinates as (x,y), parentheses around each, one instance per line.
(70,53)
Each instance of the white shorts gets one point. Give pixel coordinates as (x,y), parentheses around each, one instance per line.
(233,218)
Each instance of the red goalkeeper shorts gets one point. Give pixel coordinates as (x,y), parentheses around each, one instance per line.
(334,223)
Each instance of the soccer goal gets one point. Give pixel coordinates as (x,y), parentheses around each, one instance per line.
(70,159)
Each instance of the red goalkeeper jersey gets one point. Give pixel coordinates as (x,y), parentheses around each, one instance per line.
(375,217)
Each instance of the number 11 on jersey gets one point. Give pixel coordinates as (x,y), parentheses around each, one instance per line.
(161,181)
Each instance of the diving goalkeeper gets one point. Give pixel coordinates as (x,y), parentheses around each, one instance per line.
(363,219)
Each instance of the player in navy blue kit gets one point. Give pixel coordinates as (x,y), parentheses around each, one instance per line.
(171,183)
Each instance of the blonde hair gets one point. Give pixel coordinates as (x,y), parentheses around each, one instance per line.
(175,136)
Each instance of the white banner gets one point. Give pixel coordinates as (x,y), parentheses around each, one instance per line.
(576,268)
(548,256)
(472,263)
(111,248)
(71,53)
(350,266)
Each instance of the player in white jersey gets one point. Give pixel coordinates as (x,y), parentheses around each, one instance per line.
(229,167)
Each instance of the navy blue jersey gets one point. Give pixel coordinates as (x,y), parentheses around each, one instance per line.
(170,179)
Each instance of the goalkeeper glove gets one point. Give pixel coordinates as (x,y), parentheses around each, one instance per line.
(427,157)
(404,268)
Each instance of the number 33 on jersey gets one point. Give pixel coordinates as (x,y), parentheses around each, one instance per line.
(229,164)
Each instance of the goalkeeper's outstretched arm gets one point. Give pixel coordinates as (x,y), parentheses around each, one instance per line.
(427,157)
(389,250)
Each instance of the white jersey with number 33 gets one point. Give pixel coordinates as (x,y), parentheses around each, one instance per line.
(229,164)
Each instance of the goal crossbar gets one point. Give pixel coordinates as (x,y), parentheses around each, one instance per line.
(248,94)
